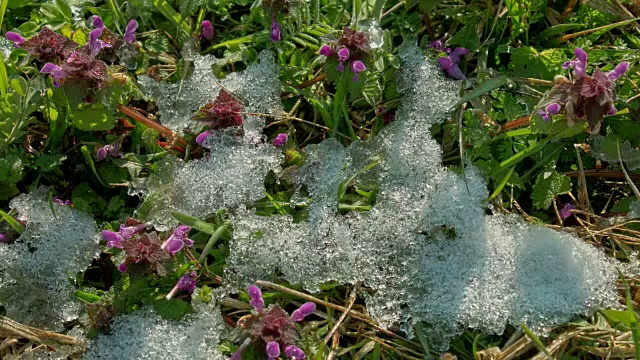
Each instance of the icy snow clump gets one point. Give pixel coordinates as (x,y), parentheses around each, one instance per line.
(427,247)
(36,269)
(233,172)
(145,335)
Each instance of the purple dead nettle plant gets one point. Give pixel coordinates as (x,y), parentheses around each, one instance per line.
(276,31)
(450,63)
(583,96)
(565,212)
(223,112)
(272,330)
(280,140)
(177,240)
(351,49)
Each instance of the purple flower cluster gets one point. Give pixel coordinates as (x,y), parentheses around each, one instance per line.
(357,66)
(223,112)
(206,30)
(64,61)
(450,63)
(116,239)
(583,96)
(352,47)
(273,328)
(178,239)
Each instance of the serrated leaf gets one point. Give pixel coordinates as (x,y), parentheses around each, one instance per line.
(173,309)
(546,189)
(50,163)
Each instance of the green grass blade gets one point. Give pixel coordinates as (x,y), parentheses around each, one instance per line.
(4,78)
(3,9)
(168,12)
(15,225)
(633,319)
(502,184)
(89,160)
(482,89)
(535,339)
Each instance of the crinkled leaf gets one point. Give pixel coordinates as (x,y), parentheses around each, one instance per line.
(545,189)
(95,118)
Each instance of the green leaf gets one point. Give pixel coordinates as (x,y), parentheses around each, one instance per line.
(87,297)
(527,62)
(486,87)
(95,118)
(173,309)
(86,199)
(545,190)
(617,318)
(195,223)
(50,163)
(466,38)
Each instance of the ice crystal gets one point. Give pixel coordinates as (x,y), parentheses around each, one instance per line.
(145,335)
(233,172)
(36,269)
(427,246)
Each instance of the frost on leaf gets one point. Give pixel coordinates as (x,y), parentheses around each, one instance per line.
(36,269)
(409,247)
(233,172)
(145,335)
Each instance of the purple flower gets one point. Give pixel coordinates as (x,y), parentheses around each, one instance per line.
(294,352)
(451,68)
(130,32)
(95,44)
(273,350)
(57,200)
(256,298)
(97,22)
(206,30)
(303,311)
(280,140)
(456,53)
(15,37)
(185,283)
(620,70)
(343,55)
(4,238)
(55,71)
(177,240)
(111,150)
(565,212)
(612,110)
(326,51)
(116,239)
(122,267)
(549,111)
(356,68)
(276,34)
(200,139)
(437,45)
(579,65)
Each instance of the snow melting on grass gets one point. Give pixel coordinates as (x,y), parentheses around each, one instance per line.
(36,270)
(233,172)
(427,247)
(145,335)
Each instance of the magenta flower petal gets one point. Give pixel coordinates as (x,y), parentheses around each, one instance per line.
(113,239)
(276,32)
(15,38)
(326,51)
(4,238)
(49,68)
(455,72)
(343,55)
(620,70)
(200,139)
(172,245)
(101,154)
(294,352)
(612,110)
(553,108)
(280,140)
(565,212)
(127,232)
(437,45)
(186,283)
(122,267)
(206,30)
(303,311)
(580,64)
(130,32)
(273,350)
(97,22)
(454,56)
(340,67)
(256,298)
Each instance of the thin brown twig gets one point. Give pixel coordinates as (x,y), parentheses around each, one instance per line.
(352,300)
